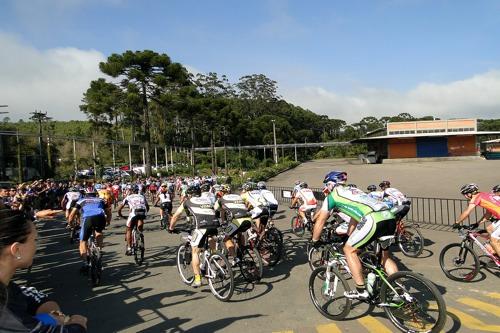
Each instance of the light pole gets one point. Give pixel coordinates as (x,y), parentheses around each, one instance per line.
(275,147)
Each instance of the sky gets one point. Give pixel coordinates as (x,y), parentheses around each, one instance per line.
(344,59)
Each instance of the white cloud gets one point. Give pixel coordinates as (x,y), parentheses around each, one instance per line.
(477,96)
(53,80)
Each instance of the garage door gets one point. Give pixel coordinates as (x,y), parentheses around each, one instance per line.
(432,147)
(402,148)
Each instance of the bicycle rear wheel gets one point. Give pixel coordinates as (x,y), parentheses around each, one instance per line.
(298,227)
(326,289)
(411,241)
(95,270)
(251,265)
(417,305)
(184,257)
(459,262)
(139,248)
(271,246)
(220,277)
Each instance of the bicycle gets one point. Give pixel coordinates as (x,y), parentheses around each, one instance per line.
(409,239)
(270,243)
(94,260)
(215,267)
(298,225)
(137,245)
(408,299)
(465,270)
(165,220)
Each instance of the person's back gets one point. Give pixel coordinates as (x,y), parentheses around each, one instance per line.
(394,196)
(488,201)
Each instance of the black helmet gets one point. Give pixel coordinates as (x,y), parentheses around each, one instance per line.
(496,189)
(385,184)
(371,188)
(469,188)
(194,190)
(303,185)
(205,187)
(352,185)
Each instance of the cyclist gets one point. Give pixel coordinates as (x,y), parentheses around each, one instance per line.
(115,189)
(372,192)
(206,193)
(69,200)
(269,197)
(152,190)
(255,203)
(165,199)
(491,204)
(205,224)
(93,218)
(296,188)
(307,201)
(233,210)
(370,219)
(394,197)
(107,196)
(138,207)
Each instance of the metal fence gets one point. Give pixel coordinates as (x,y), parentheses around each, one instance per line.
(438,211)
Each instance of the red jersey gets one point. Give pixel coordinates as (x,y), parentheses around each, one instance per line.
(489,202)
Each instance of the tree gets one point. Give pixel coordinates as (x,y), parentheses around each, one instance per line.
(145,75)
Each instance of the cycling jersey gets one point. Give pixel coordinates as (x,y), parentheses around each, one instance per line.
(233,203)
(306,196)
(269,197)
(254,198)
(164,197)
(377,195)
(136,202)
(352,202)
(106,196)
(202,211)
(394,196)
(488,202)
(71,197)
(91,207)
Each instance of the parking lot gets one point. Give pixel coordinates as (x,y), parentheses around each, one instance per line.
(152,298)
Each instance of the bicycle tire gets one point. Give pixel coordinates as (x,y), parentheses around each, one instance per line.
(343,304)
(72,236)
(271,247)
(298,227)
(411,242)
(458,261)
(410,309)
(95,267)
(139,248)
(222,271)
(251,265)
(316,258)
(184,257)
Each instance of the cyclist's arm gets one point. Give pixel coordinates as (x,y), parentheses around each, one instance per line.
(466,213)
(176,215)
(72,214)
(63,202)
(294,201)
(486,217)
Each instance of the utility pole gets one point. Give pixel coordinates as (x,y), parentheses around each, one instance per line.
(225,151)
(19,164)
(2,157)
(275,147)
(40,117)
(192,150)
(74,158)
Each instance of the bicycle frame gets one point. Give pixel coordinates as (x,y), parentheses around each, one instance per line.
(471,236)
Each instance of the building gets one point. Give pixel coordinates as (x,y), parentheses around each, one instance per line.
(430,138)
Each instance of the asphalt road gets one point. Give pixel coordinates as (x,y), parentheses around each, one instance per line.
(152,298)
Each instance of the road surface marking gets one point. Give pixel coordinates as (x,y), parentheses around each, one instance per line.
(493,309)
(494,295)
(328,328)
(373,325)
(473,323)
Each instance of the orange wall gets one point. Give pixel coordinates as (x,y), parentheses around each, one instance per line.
(402,148)
(462,145)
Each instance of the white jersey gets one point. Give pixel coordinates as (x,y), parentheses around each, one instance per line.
(395,196)
(378,195)
(135,202)
(209,195)
(70,197)
(306,195)
(269,197)
(165,197)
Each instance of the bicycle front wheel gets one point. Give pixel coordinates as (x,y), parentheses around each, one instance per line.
(271,246)
(411,241)
(326,289)
(139,248)
(184,257)
(413,304)
(298,227)
(316,257)
(220,277)
(251,265)
(459,262)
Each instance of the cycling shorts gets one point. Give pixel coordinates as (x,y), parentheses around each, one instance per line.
(304,208)
(496,229)
(71,204)
(257,212)
(134,216)
(236,226)
(200,236)
(90,223)
(166,206)
(371,227)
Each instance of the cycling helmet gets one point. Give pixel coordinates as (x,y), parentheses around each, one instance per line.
(135,189)
(297,182)
(371,188)
(247,186)
(469,188)
(337,177)
(261,185)
(385,184)
(352,185)
(98,187)
(205,187)
(496,189)
(193,190)
(303,185)
(225,188)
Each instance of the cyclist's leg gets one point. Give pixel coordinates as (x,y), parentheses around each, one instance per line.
(85,233)
(198,239)
(230,231)
(98,225)
(109,214)
(386,228)
(302,213)
(495,236)
(128,234)
(140,223)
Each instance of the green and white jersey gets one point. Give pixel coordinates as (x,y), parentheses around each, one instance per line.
(352,202)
